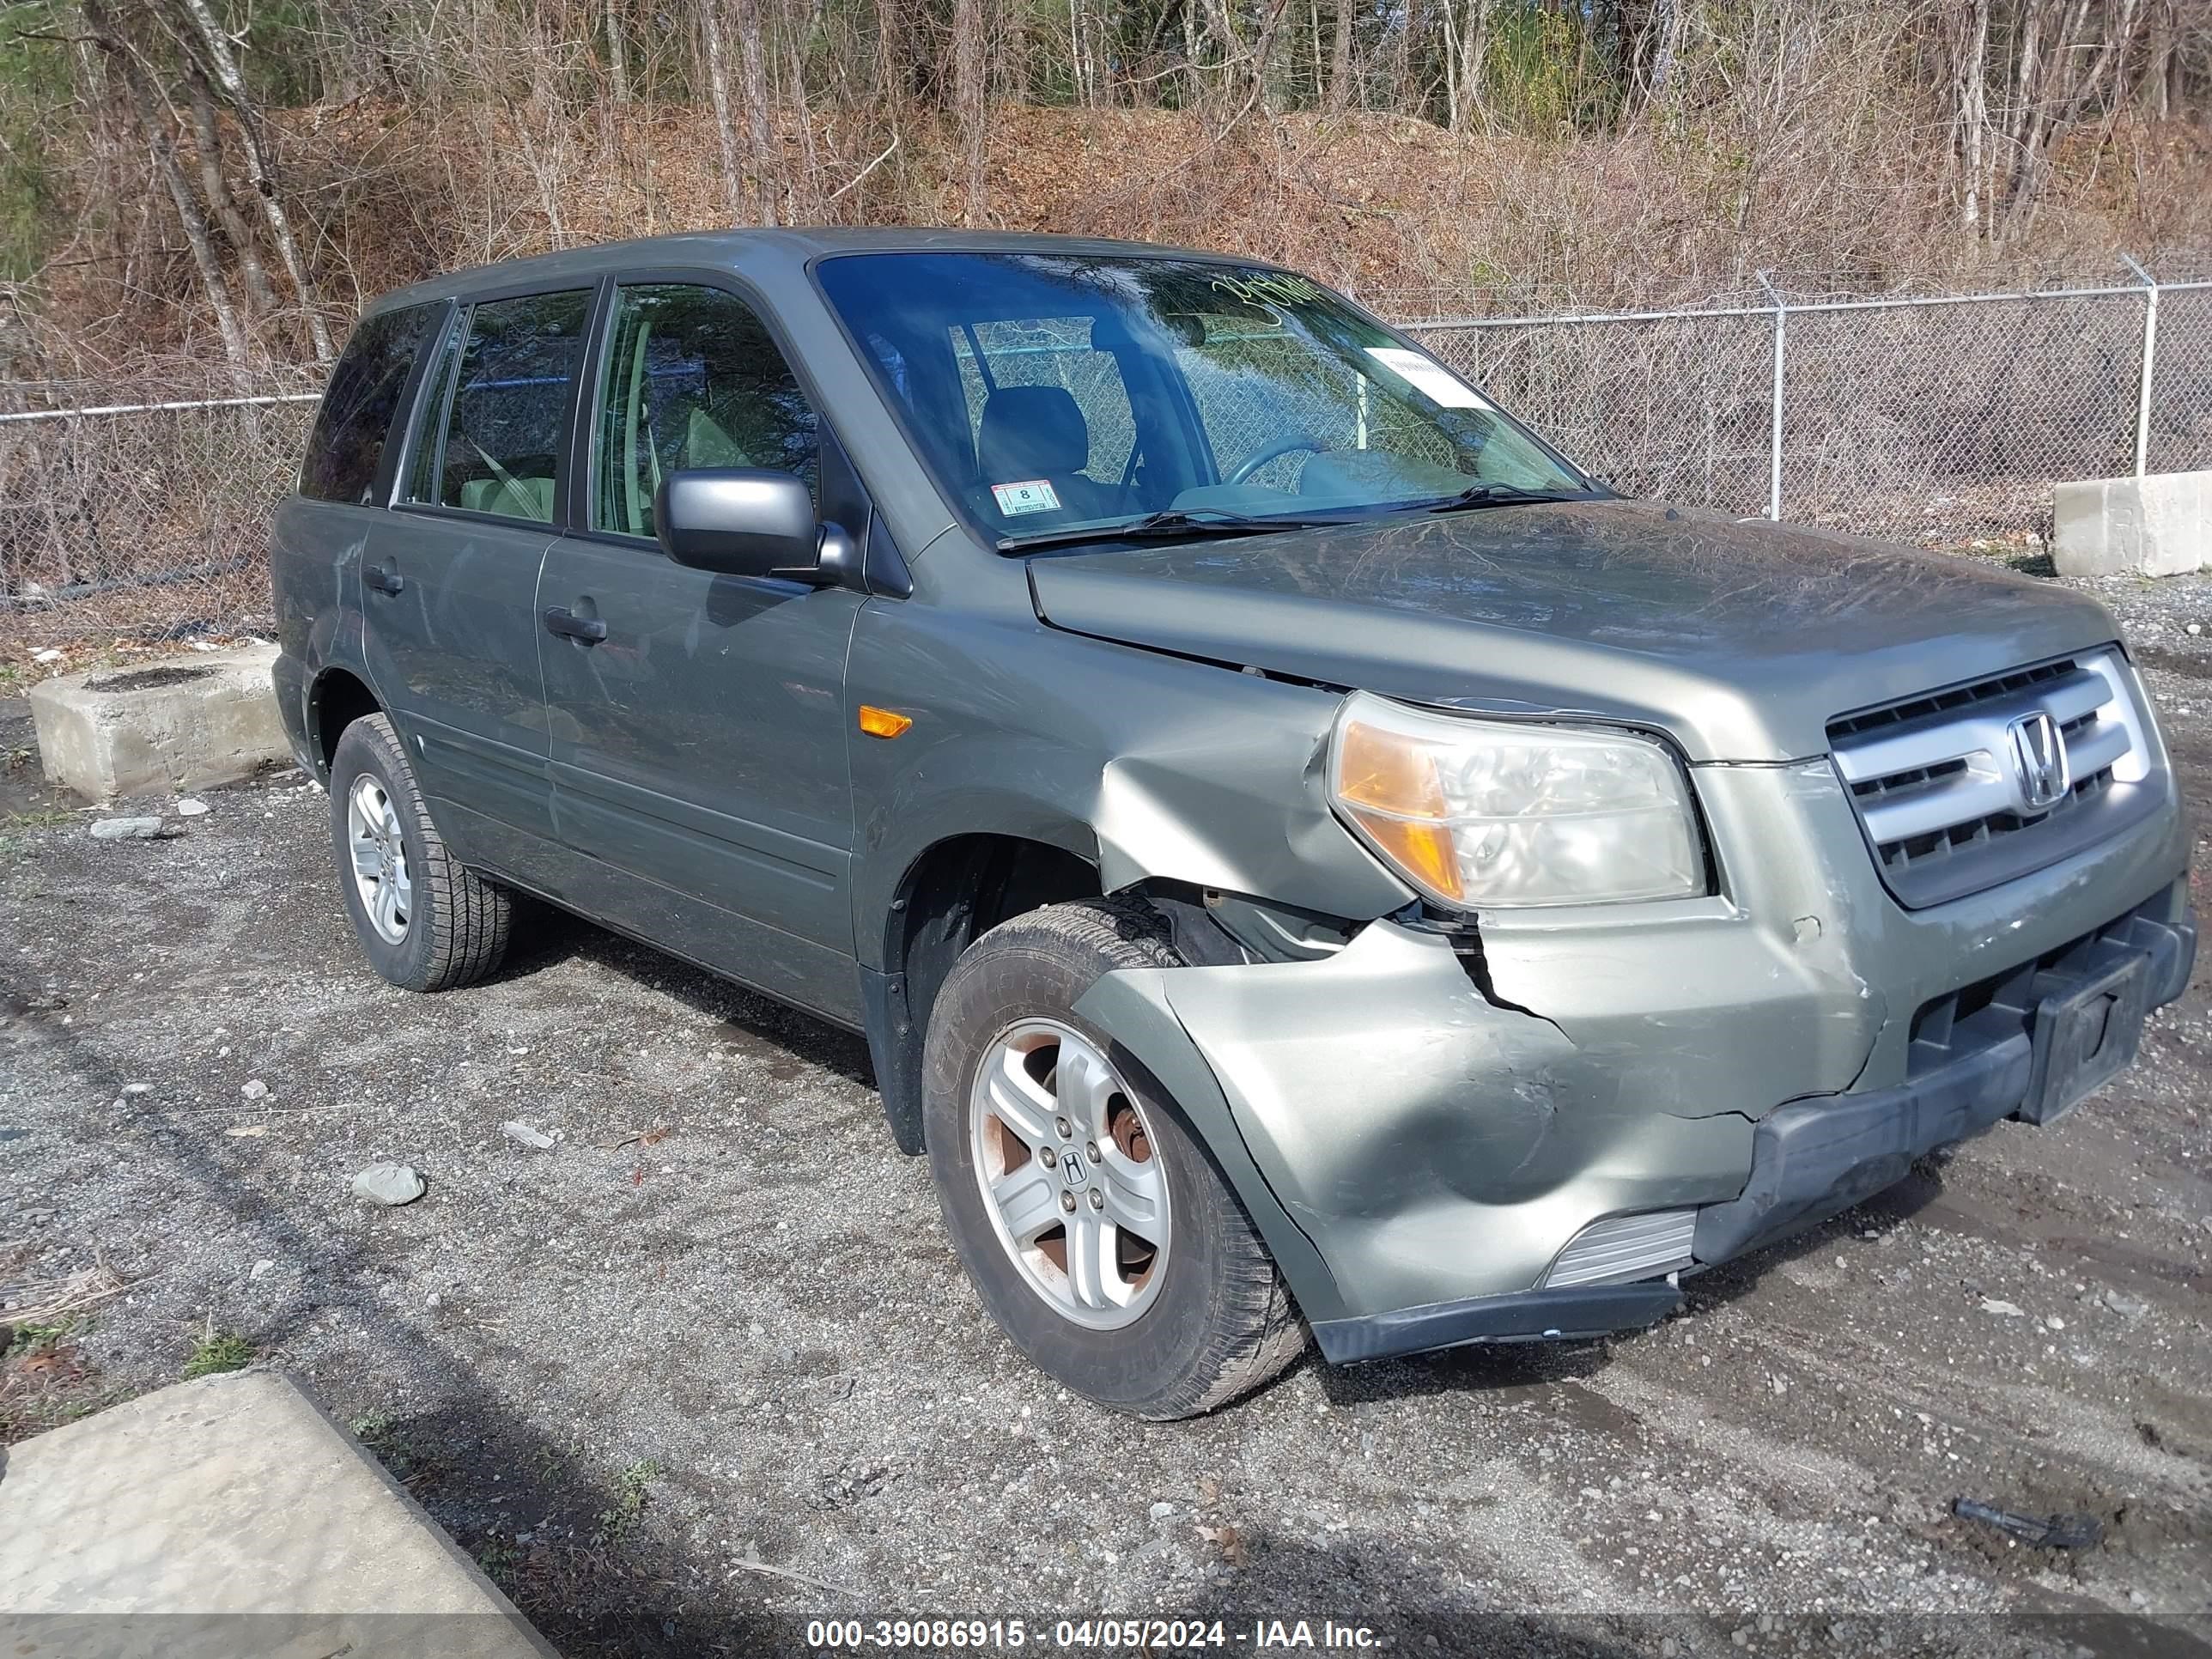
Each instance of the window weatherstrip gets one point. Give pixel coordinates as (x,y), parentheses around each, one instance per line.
(462,319)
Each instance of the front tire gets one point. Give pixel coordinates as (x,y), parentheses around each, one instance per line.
(425,922)
(1096,1230)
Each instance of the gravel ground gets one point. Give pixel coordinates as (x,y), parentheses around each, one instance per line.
(706,1370)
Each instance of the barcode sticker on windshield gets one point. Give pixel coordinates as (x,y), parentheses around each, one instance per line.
(1030,495)
(1437,383)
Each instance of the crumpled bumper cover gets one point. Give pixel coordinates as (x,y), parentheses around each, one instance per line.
(1818,1157)
(1580,1311)
(1423,1126)
(1426,1143)
(2054,1030)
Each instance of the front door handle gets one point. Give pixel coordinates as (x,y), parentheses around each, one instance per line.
(559,619)
(383,581)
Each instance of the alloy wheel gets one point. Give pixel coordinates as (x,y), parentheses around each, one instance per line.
(1069,1176)
(379,859)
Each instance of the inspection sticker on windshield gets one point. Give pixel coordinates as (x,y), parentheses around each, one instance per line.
(1442,386)
(1030,495)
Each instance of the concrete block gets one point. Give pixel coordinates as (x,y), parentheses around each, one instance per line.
(2159,526)
(227,1518)
(182,723)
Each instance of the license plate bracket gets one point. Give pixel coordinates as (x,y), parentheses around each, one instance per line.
(2085,1035)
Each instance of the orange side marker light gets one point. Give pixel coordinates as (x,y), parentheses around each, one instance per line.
(881,722)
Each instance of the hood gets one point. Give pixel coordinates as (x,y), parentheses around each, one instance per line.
(1739,638)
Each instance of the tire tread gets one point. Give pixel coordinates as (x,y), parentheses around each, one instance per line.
(472,919)
(1254,1330)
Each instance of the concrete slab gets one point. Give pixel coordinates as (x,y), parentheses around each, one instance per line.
(228,1518)
(2159,526)
(185,723)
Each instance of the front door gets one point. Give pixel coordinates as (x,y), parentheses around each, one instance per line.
(698,721)
(449,579)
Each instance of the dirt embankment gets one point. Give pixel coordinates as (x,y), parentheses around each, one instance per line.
(1396,209)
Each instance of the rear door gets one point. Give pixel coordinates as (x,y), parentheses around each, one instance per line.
(449,579)
(698,721)
(320,532)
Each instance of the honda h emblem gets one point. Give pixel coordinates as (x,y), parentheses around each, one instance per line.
(2038,762)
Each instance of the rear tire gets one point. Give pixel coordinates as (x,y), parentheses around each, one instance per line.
(1163,1330)
(425,921)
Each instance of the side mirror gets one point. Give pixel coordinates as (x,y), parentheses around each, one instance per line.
(749,521)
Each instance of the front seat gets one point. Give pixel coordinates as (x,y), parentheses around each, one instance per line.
(1038,432)
(708,442)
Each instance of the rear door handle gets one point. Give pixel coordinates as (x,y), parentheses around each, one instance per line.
(559,619)
(383,581)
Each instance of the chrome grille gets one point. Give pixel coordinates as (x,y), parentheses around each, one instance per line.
(1945,796)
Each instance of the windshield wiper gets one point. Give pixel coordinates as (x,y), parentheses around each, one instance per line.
(1175,521)
(1499,494)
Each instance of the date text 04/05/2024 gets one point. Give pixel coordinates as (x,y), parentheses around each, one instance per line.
(1100,1635)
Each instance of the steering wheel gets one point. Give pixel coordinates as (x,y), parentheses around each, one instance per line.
(1290,446)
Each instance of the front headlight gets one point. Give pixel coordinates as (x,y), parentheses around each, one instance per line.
(1484,813)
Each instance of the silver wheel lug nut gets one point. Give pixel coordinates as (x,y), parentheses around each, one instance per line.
(1097,1199)
(1067,1202)
(1067,1129)
(1090,1151)
(1046,1157)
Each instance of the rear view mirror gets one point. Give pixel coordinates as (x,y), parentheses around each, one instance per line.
(748,521)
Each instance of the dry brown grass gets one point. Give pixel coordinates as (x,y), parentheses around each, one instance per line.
(33,1305)
(46,1378)
(1393,209)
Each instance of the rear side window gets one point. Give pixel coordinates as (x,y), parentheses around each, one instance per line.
(491,441)
(348,442)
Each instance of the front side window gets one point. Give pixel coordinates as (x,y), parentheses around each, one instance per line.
(1052,392)
(490,442)
(693,379)
(347,445)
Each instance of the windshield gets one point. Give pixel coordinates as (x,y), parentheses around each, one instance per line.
(1057,392)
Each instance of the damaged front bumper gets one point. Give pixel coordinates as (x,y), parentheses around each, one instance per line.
(2051,1031)
(1445,1143)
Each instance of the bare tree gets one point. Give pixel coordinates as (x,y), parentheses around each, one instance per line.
(1469,45)
(154,128)
(1339,61)
(1966,25)
(2062,70)
(1862,138)
(752,48)
(1666,20)
(617,55)
(970,63)
(207,143)
(718,93)
(224,64)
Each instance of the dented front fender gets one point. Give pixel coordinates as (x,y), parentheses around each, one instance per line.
(1181,772)
(1427,1144)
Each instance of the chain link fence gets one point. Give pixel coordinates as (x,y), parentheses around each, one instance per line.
(1939,420)
(1936,420)
(1669,405)
(144,521)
